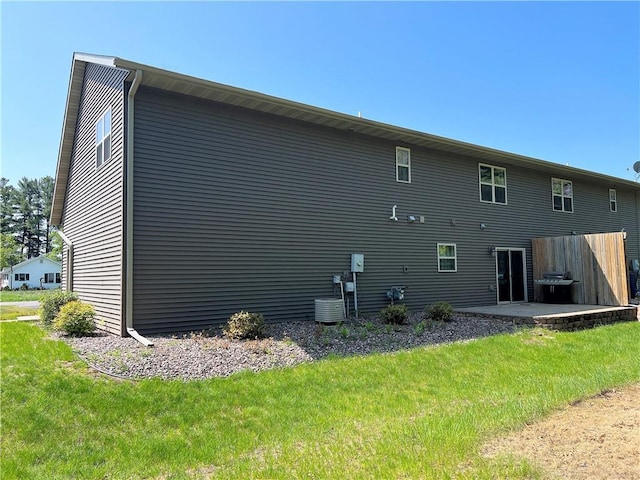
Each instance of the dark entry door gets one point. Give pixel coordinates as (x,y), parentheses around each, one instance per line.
(511,275)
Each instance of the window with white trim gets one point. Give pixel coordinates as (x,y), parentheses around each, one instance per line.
(493,183)
(447,258)
(103,138)
(51,278)
(562,194)
(21,277)
(403,165)
(613,200)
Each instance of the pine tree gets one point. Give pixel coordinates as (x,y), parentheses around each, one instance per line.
(24,215)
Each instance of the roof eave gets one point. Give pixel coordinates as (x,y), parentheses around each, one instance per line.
(206,89)
(188,85)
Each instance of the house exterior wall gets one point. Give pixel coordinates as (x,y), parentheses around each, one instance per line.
(93,208)
(35,268)
(240,210)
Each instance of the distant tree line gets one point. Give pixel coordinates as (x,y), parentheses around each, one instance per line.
(24,221)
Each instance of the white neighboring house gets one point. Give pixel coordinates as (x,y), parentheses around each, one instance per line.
(38,272)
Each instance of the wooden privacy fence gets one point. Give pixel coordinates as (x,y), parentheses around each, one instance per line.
(598,261)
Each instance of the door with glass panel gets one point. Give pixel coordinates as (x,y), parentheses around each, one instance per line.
(511,274)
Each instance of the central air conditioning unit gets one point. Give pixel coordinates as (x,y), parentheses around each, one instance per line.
(329,310)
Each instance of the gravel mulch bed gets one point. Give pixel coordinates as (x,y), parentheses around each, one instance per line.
(202,355)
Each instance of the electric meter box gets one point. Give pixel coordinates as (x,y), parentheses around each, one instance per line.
(357,262)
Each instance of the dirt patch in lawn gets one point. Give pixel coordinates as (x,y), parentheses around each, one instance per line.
(597,438)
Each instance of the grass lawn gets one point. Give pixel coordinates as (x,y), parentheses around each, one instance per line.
(11,312)
(22,295)
(414,414)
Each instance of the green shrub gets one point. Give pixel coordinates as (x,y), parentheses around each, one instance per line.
(439,312)
(394,314)
(24,286)
(51,303)
(245,325)
(76,318)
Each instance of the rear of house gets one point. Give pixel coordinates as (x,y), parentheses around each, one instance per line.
(213,199)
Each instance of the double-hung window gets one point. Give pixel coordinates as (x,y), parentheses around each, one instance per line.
(51,278)
(493,184)
(562,193)
(103,138)
(613,200)
(403,165)
(447,258)
(21,277)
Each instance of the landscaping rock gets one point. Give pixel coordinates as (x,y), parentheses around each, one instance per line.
(202,355)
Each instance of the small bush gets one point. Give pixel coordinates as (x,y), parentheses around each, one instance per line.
(76,318)
(24,286)
(51,303)
(243,325)
(395,314)
(344,332)
(439,312)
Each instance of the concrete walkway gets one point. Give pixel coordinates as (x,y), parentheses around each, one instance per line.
(23,318)
(26,318)
(29,304)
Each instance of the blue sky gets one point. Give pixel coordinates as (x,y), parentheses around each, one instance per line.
(551,80)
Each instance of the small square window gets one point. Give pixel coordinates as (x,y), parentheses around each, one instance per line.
(403,165)
(562,195)
(447,257)
(613,200)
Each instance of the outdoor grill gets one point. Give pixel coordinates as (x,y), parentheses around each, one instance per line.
(556,287)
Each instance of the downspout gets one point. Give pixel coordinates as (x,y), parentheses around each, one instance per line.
(128,298)
(69,244)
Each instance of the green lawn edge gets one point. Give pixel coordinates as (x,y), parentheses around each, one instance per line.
(24,295)
(413,414)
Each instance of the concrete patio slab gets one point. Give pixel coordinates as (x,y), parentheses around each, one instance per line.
(532,310)
(555,316)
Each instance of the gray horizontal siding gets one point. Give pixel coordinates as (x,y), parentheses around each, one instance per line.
(93,208)
(234,210)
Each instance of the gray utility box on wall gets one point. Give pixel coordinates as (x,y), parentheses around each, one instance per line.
(357,262)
